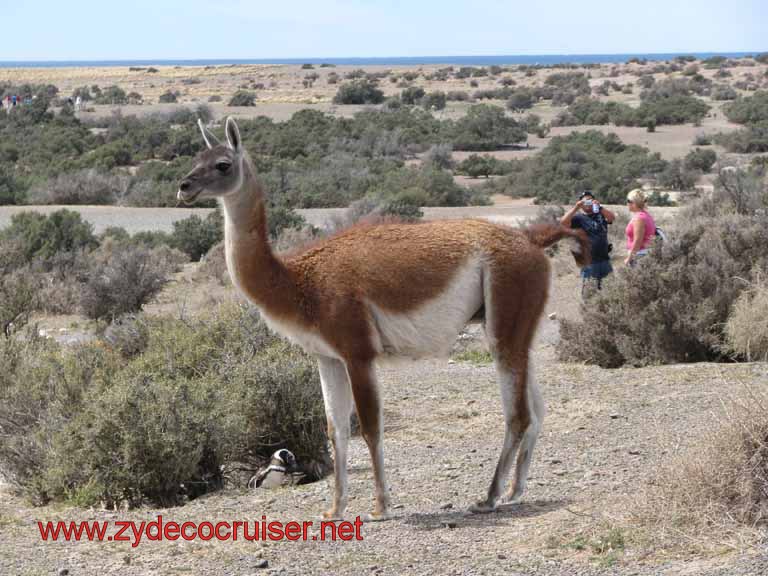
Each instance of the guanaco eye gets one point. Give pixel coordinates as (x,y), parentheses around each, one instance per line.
(223,166)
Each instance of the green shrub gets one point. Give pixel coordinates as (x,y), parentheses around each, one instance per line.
(361,91)
(750,140)
(434,101)
(749,110)
(195,236)
(82,187)
(486,127)
(678,176)
(40,236)
(242,98)
(580,161)
(475,166)
(121,281)
(439,156)
(19,297)
(700,159)
(171,97)
(203,395)
(412,95)
(457,96)
(521,99)
(111,95)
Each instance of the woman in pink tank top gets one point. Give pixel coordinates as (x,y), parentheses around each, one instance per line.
(641,229)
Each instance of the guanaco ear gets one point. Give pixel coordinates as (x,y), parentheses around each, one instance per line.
(233,134)
(210,139)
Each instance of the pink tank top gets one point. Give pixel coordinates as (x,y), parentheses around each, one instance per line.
(650,230)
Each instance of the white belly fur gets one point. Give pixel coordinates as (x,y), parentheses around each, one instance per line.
(311,342)
(431,329)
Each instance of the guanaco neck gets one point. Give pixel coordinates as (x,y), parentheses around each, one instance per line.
(254,268)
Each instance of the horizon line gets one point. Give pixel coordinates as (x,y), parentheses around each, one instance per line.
(321,59)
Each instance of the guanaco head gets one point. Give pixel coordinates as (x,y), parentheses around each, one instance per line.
(219,170)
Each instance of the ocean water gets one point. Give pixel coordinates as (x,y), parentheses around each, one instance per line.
(530,59)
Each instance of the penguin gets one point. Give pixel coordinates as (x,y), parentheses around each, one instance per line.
(280,472)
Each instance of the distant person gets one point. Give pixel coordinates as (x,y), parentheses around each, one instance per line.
(78,103)
(589,215)
(641,229)
(13,100)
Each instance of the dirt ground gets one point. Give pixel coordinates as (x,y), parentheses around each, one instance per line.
(605,434)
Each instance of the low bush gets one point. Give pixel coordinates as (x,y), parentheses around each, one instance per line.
(700,159)
(580,161)
(111,95)
(19,297)
(749,140)
(476,166)
(521,99)
(434,101)
(171,97)
(242,98)
(746,331)
(121,281)
(195,236)
(678,176)
(214,265)
(202,397)
(720,482)
(40,236)
(486,127)
(412,95)
(749,110)
(723,92)
(361,91)
(88,186)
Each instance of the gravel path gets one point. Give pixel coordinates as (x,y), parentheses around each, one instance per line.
(140,219)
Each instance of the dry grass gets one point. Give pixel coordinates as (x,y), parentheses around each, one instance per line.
(714,494)
(747,328)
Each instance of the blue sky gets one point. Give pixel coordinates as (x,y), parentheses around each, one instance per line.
(192,29)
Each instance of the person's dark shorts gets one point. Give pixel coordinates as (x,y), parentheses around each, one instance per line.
(597,271)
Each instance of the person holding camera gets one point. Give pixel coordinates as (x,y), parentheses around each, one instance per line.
(592,217)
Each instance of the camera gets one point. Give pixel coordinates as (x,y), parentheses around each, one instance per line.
(587,202)
(595,208)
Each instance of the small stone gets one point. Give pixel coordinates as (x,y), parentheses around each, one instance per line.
(398,506)
(451,362)
(555,461)
(261,564)
(62,572)
(615,416)
(449,525)
(552,316)
(126,559)
(501,556)
(446,506)
(560,472)
(634,452)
